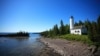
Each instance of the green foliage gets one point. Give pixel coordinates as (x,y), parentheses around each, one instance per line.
(86,23)
(98,25)
(67,30)
(82,38)
(93,32)
(80,23)
(45,33)
(76,24)
(18,34)
(56,30)
(62,28)
(94,28)
(90,34)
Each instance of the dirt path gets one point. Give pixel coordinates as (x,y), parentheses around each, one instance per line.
(68,48)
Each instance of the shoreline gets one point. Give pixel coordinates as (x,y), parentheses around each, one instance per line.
(47,51)
(18,34)
(68,48)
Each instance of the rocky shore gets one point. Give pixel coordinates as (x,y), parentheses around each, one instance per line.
(61,47)
(47,51)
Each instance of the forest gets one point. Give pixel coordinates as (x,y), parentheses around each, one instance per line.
(93,30)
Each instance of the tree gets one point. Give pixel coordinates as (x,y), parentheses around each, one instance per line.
(67,29)
(86,23)
(62,28)
(50,33)
(94,28)
(80,22)
(90,34)
(45,33)
(98,24)
(56,30)
(76,24)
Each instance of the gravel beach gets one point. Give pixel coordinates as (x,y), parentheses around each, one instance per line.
(68,48)
(47,51)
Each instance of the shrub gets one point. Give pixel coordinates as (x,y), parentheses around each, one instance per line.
(81,38)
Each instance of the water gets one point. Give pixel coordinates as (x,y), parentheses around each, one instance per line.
(20,46)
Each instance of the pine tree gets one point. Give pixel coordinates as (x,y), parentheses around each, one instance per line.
(98,24)
(67,29)
(76,24)
(50,33)
(94,28)
(62,28)
(90,34)
(80,23)
(86,23)
(45,33)
(56,30)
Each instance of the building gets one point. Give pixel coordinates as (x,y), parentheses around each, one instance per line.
(76,29)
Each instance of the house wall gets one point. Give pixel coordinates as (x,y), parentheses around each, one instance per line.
(76,31)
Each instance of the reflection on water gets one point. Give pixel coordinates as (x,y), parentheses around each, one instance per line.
(27,46)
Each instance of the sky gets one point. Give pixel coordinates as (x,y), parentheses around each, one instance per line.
(41,15)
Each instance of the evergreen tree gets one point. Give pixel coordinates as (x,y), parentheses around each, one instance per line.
(76,24)
(50,33)
(45,33)
(90,34)
(62,28)
(98,24)
(80,22)
(67,29)
(56,30)
(94,28)
(86,23)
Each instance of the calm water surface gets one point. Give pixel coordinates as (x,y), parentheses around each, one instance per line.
(20,46)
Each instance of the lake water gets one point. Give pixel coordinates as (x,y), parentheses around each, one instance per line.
(20,46)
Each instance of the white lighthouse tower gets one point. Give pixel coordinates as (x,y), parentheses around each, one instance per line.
(76,29)
(71,23)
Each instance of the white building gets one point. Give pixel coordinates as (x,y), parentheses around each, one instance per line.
(76,29)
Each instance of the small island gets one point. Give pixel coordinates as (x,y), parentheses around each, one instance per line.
(18,34)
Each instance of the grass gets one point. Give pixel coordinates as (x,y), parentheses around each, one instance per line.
(81,38)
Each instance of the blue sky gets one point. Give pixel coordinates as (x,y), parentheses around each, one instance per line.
(40,15)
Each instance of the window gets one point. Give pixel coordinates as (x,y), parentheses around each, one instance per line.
(77,31)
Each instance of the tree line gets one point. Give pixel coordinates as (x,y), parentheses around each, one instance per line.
(93,29)
(57,31)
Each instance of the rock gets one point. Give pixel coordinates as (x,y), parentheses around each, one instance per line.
(97,53)
(48,52)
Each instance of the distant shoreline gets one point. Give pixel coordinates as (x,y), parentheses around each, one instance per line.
(19,34)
